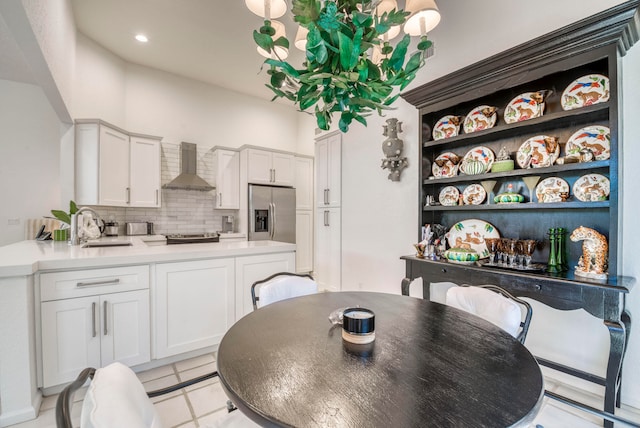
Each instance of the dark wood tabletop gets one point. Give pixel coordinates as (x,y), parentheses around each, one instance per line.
(430,365)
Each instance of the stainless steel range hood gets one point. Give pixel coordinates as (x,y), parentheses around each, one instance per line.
(188,178)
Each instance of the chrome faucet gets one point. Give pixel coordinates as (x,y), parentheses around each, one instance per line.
(75,239)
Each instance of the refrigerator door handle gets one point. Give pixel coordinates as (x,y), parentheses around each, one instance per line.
(275,222)
(271,220)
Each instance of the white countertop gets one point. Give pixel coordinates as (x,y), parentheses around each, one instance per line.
(27,257)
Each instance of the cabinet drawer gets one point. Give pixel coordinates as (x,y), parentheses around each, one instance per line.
(65,285)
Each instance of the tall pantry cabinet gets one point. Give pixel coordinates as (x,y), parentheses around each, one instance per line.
(304,213)
(328,232)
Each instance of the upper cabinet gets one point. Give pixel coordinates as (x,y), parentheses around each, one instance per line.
(267,167)
(328,171)
(304,183)
(114,168)
(226,165)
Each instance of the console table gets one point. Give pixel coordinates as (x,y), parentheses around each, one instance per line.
(605,301)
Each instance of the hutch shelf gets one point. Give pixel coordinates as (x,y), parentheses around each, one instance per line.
(550,62)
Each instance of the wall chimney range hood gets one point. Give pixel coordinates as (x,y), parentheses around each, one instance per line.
(188,178)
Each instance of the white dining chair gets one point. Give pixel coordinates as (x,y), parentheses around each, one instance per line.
(115,397)
(280,286)
(495,305)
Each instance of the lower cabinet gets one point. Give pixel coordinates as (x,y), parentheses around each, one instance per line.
(328,253)
(250,269)
(193,305)
(94,330)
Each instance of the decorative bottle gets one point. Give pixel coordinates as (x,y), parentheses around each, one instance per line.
(552,265)
(561,253)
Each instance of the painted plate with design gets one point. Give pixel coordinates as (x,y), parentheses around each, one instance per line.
(524,107)
(540,151)
(482,154)
(445,165)
(449,196)
(470,234)
(595,138)
(481,117)
(473,194)
(446,127)
(551,190)
(585,91)
(591,187)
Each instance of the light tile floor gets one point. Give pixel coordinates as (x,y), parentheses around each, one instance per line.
(201,404)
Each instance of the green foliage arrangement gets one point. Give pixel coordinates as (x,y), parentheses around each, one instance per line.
(339,75)
(63,216)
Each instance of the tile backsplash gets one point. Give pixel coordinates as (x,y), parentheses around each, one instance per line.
(182,211)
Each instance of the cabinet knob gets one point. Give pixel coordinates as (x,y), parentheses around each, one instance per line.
(537,287)
(444,270)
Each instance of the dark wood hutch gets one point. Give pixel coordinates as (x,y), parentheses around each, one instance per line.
(591,46)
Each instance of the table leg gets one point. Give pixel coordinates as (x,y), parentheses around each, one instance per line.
(406,282)
(625,318)
(616,352)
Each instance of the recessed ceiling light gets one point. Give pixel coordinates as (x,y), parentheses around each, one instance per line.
(142,38)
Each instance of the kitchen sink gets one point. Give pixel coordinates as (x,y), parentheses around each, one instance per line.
(107,244)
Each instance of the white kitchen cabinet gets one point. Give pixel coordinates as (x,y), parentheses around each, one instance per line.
(250,269)
(304,183)
(92,318)
(226,165)
(304,241)
(328,251)
(267,167)
(194,305)
(144,172)
(115,168)
(328,171)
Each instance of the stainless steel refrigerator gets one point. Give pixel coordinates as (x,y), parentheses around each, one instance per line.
(272,213)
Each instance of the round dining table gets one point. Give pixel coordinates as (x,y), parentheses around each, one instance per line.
(430,364)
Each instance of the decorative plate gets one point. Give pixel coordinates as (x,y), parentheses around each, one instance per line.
(585,91)
(448,165)
(482,154)
(595,138)
(449,196)
(446,127)
(538,152)
(481,117)
(591,187)
(551,190)
(524,107)
(473,194)
(470,234)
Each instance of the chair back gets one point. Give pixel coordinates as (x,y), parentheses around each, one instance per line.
(495,305)
(280,286)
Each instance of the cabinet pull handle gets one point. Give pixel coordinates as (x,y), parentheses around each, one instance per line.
(274,175)
(105,317)
(325,196)
(328,196)
(105,282)
(326,218)
(128,195)
(220,199)
(156,196)
(93,319)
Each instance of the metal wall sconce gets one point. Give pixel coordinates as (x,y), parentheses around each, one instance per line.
(392,149)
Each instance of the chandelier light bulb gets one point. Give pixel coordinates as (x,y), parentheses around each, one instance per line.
(301,38)
(281,52)
(424,17)
(267,9)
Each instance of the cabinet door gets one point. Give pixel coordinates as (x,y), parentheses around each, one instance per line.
(328,171)
(228,179)
(259,169)
(328,254)
(193,305)
(283,169)
(304,241)
(124,328)
(304,183)
(250,269)
(70,338)
(114,168)
(144,172)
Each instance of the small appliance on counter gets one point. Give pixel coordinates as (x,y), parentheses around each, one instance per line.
(203,238)
(111,228)
(227,224)
(139,228)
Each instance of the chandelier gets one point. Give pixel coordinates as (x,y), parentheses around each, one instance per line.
(351,68)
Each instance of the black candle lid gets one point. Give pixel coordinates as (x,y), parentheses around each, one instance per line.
(358,321)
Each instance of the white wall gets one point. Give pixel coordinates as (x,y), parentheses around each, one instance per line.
(29,158)
(380,218)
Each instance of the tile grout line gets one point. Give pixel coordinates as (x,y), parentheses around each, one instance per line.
(186,397)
